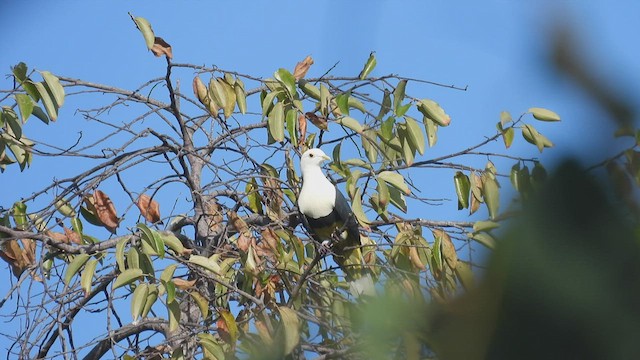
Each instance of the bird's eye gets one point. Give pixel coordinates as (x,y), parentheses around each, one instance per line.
(310,155)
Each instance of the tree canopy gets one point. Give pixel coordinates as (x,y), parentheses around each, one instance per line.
(178,232)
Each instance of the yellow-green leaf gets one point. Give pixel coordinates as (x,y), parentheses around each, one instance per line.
(416,137)
(368,66)
(358,211)
(432,130)
(287,80)
(544,114)
(479,226)
(463,188)
(484,239)
(351,123)
(49,105)
(138,300)
(127,277)
(174,315)
(505,118)
(464,275)
(25,104)
(167,273)
(309,89)
(120,254)
(433,111)
(230,321)
(491,194)
(291,325)
(203,304)
(396,180)
(152,296)
(398,95)
(206,263)
(87,275)
(275,122)
(292,125)
(54,85)
(241,96)
(145,28)
(74,266)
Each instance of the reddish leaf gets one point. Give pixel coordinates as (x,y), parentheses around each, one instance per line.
(105,210)
(319,121)
(302,67)
(161,47)
(71,235)
(13,255)
(302,128)
(149,208)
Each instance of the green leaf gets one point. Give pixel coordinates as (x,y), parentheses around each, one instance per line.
(15,126)
(208,342)
(505,118)
(416,137)
(25,104)
(291,325)
(53,83)
(432,130)
(433,111)
(396,180)
(491,194)
(356,104)
(37,112)
(174,315)
(292,125)
(368,139)
(484,239)
(397,199)
(309,89)
(167,273)
(206,263)
(287,80)
(49,105)
(171,241)
(253,196)
(463,189)
(368,66)
(64,207)
(145,28)
(170,287)
(383,195)
(74,266)
(152,296)
(343,103)
(544,114)
(230,321)
(386,105)
(398,95)
(241,96)
(508,136)
(358,211)
(203,304)
(218,92)
(275,122)
(138,300)
(464,275)
(351,123)
(20,71)
(120,254)
(325,100)
(532,136)
(485,226)
(127,277)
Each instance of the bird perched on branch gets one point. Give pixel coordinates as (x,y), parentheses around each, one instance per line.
(328,217)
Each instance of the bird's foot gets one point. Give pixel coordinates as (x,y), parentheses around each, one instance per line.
(325,248)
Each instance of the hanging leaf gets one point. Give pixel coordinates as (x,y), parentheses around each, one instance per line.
(544,114)
(25,104)
(54,86)
(206,263)
(105,211)
(432,130)
(416,137)
(74,266)
(47,101)
(358,211)
(491,194)
(398,95)
(433,111)
(463,188)
(241,96)
(152,296)
(396,180)
(275,122)
(161,47)
(138,300)
(291,122)
(218,92)
(145,28)
(230,326)
(127,277)
(291,325)
(302,67)
(368,66)
(534,137)
(174,315)
(484,239)
(448,250)
(319,121)
(464,275)
(485,226)
(87,276)
(201,92)
(120,254)
(386,104)
(351,123)
(284,77)
(505,118)
(309,89)
(149,208)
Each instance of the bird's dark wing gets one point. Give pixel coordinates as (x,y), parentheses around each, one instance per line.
(346,216)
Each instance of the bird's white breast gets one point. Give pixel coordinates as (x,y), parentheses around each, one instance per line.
(317,197)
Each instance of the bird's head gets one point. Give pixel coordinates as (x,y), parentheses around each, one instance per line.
(313,157)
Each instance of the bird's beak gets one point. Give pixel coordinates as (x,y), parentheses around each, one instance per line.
(326,158)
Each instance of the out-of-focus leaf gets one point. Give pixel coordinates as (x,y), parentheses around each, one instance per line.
(206,263)
(230,322)
(174,315)
(127,277)
(208,342)
(505,118)
(291,326)
(484,239)
(448,249)
(74,266)
(479,226)
(544,114)
(463,189)
(368,66)
(464,275)
(203,304)
(275,122)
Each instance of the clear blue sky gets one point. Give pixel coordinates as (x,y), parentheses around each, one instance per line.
(496,48)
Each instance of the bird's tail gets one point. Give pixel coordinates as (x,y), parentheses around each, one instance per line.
(358,264)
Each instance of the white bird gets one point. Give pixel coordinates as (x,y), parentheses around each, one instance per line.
(325,211)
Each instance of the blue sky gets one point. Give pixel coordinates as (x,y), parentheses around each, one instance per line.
(496,48)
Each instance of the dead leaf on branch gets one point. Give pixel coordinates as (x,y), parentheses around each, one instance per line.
(149,208)
(184,284)
(57,237)
(12,253)
(214,212)
(302,67)
(72,236)
(106,211)
(320,121)
(161,47)
(302,127)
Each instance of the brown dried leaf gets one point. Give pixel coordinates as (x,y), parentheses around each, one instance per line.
(13,255)
(161,47)
(105,210)
(302,67)
(73,236)
(57,237)
(302,128)
(214,210)
(270,238)
(243,243)
(448,250)
(273,197)
(184,284)
(149,208)
(415,258)
(29,253)
(319,121)
(237,222)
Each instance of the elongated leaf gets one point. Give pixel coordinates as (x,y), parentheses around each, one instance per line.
(174,315)
(49,105)
(292,122)
(479,226)
(358,211)
(127,277)
(53,83)
(291,325)
(447,248)
(491,194)
(275,122)
(208,342)
(74,266)
(433,111)
(203,304)
(351,123)
(368,66)
(138,300)
(241,96)
(173,242)
(396,180)
(37,112)
(120,254)
(152,296)
(432,130)
(383,194)
(356,104)
(145,28)
(464,275)
(386,105)
(398,95)
(484,239)
(543,114)
(205,262)
(309,89)
(463,188)
(230,321)
(217,92)
(25,104)
(287,80)
(416,137)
